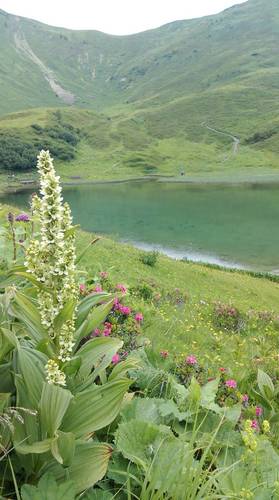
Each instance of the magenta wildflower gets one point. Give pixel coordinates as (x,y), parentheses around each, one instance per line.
(255,425)
(107,330)
(82,288)
(95,333)
(125,310)
(98,288)
(259,411)
(164,354)
(22,218)
(231,383)
(104,275)
(115,359)
(222,369)
(138,317)
(116,304)
(121,288)
(245,398)
(191,360)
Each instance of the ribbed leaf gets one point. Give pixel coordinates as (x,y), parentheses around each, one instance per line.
(63,447)
(53,406)
(31,365)
(97,353)
(25,310)
(47,489)
(86,305)
(94,319)
(65,314)
(121,369)
(38,447)
(95,408)
(89,466)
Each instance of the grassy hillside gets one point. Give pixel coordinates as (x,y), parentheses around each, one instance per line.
(180,302)
(158,90)
(93,146)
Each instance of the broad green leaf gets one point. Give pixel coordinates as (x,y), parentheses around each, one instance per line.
(97,353)
(121,369)
(98,494)
(37,447)
(48,489)
(194,392)
(63,447)
(265,384)
(24,309)
(208,393)
(94,319)
(86,305)
(7,342)
(31,365)
(31,278)
(89,466)
(65,314)
(139,441)
(170,476)
(95,408)
(53,406)
(153,410)
(26,432)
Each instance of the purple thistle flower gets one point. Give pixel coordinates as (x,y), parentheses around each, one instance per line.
(22,218)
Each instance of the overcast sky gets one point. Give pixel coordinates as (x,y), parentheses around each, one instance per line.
(119,17)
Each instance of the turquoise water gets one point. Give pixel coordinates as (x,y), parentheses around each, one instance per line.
(229,224)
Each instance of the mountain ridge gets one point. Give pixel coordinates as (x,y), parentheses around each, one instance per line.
(155,88)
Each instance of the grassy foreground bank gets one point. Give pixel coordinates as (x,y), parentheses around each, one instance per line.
(181,304)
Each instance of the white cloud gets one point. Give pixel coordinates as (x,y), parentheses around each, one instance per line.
(114,16)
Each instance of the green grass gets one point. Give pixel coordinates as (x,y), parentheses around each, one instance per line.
(149,94)
(189,327)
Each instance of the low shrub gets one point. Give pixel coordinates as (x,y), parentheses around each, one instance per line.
(149,258)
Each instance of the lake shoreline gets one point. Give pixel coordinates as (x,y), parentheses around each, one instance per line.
(191,179)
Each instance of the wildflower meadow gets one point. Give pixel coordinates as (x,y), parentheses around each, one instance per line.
(112,389)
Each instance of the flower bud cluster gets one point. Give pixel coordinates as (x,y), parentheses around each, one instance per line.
(51,259)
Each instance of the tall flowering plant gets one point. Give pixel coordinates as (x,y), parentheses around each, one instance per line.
(67,380)
(51,260)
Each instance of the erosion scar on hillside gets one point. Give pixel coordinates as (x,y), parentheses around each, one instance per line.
(236,140)
(23,46)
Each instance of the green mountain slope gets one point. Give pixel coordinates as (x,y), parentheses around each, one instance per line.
(159,90)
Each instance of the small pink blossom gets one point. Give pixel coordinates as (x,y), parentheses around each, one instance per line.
(107,330)
(98,288)
(115,359)
(139,317)
(255,425)
(104,275)
(191,360)
(245,398)
(164,354)
(222,369)
(121,288)
(82,288)
(125,310)
(116,304)
(95,332)
(231,383)
(259,411)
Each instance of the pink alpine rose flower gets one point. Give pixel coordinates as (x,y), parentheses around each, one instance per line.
(191,360)
(121,288)
(231,383)
(115,359)
(138,317)
(164,354)
(259,411)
